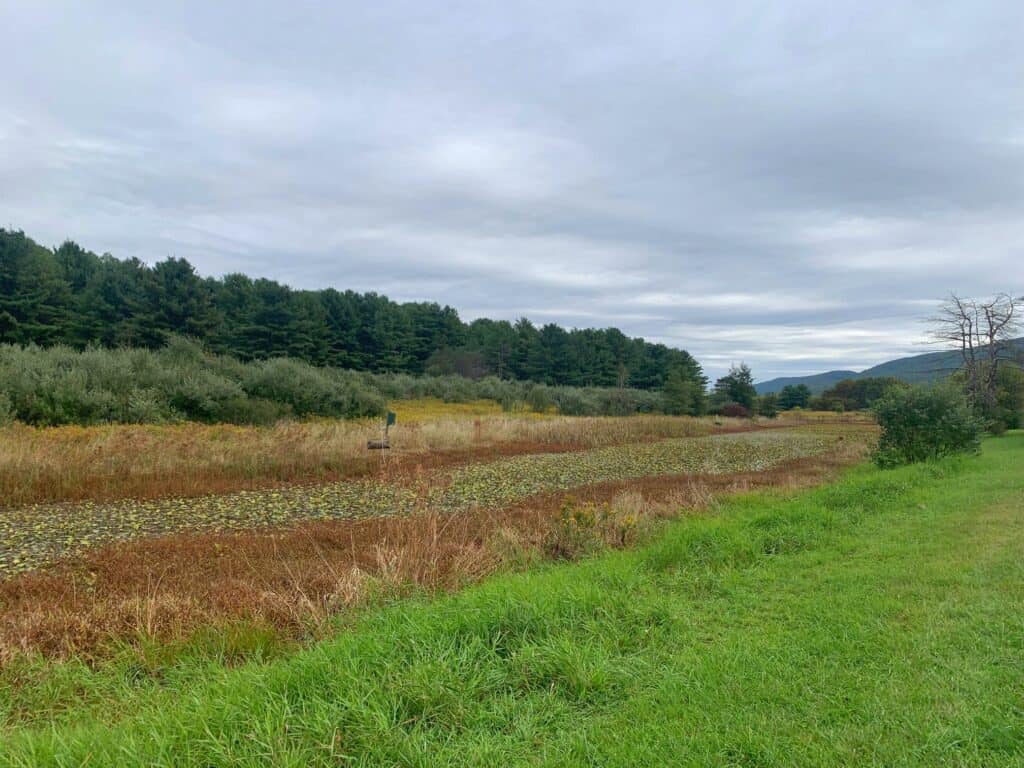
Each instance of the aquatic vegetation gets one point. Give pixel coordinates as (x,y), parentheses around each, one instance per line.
(122,461)
(36,535)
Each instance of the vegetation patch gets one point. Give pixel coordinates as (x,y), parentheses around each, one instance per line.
(819,629)
(118,461)
(921,423)
(39,534)
(128,597)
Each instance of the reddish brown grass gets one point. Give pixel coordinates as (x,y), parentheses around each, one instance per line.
(143,462)
(292,580)
(139,461)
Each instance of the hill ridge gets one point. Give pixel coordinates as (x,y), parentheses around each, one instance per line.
(915,369)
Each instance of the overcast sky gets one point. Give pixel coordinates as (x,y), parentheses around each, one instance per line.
(787,184)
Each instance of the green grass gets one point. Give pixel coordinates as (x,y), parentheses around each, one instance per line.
(876,621)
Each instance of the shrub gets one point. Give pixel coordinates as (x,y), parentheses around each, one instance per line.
(576,531)
(768,405)
(310,391)
(735,410)
(615,402)
(6,410)
(539,398)
(252,410)
(571,402)
(921,423)
(1009,410)
(183,381)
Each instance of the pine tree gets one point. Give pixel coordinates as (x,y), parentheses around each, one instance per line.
(34,297)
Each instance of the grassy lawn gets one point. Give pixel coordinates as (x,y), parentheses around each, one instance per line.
(876,621)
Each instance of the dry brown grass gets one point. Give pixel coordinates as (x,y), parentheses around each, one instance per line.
(293,580)
(800,416)
(129,461)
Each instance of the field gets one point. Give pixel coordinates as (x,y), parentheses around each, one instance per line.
(111,462)
(100,557)
(36,535)
(875,620)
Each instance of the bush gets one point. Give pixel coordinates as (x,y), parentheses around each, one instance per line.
(734,410)
(768,405)
(572,402)
(310,391)
(540,399)
(183,381)
(921,423)
(6,410)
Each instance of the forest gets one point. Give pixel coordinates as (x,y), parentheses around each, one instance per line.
(70,296)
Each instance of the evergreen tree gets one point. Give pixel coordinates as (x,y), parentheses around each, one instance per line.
(34,296)
(681,393)
(114,307)
(179,301)
(794,396)
(77,265)
(528,354)
(70,295)
(737,386)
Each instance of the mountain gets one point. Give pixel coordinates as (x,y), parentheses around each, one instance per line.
(916,370)
(818,382)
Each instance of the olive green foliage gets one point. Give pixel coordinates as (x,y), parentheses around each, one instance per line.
(1005,409)
(60,385)
(183,381)
(512,394)
(920,423)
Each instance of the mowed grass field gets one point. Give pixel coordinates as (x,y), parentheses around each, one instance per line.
(877,620)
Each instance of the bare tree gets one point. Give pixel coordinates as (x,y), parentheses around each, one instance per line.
(981,331)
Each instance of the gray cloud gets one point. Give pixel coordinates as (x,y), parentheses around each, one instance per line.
(790,184)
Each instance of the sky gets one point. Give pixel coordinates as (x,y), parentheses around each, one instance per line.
(793,185)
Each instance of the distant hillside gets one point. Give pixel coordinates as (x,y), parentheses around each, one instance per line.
(917,369)
(818,383)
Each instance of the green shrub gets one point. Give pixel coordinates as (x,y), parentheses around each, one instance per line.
(252,410)
(1010,397)
(572,402)
(539,398)
(768,405)
(921,423)
(6,410)
(183,381)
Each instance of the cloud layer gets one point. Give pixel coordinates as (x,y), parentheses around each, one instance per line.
(789,184)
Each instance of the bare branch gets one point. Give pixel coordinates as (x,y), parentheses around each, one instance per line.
(981,332)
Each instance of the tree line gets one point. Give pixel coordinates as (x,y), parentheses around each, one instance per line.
(70,296)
